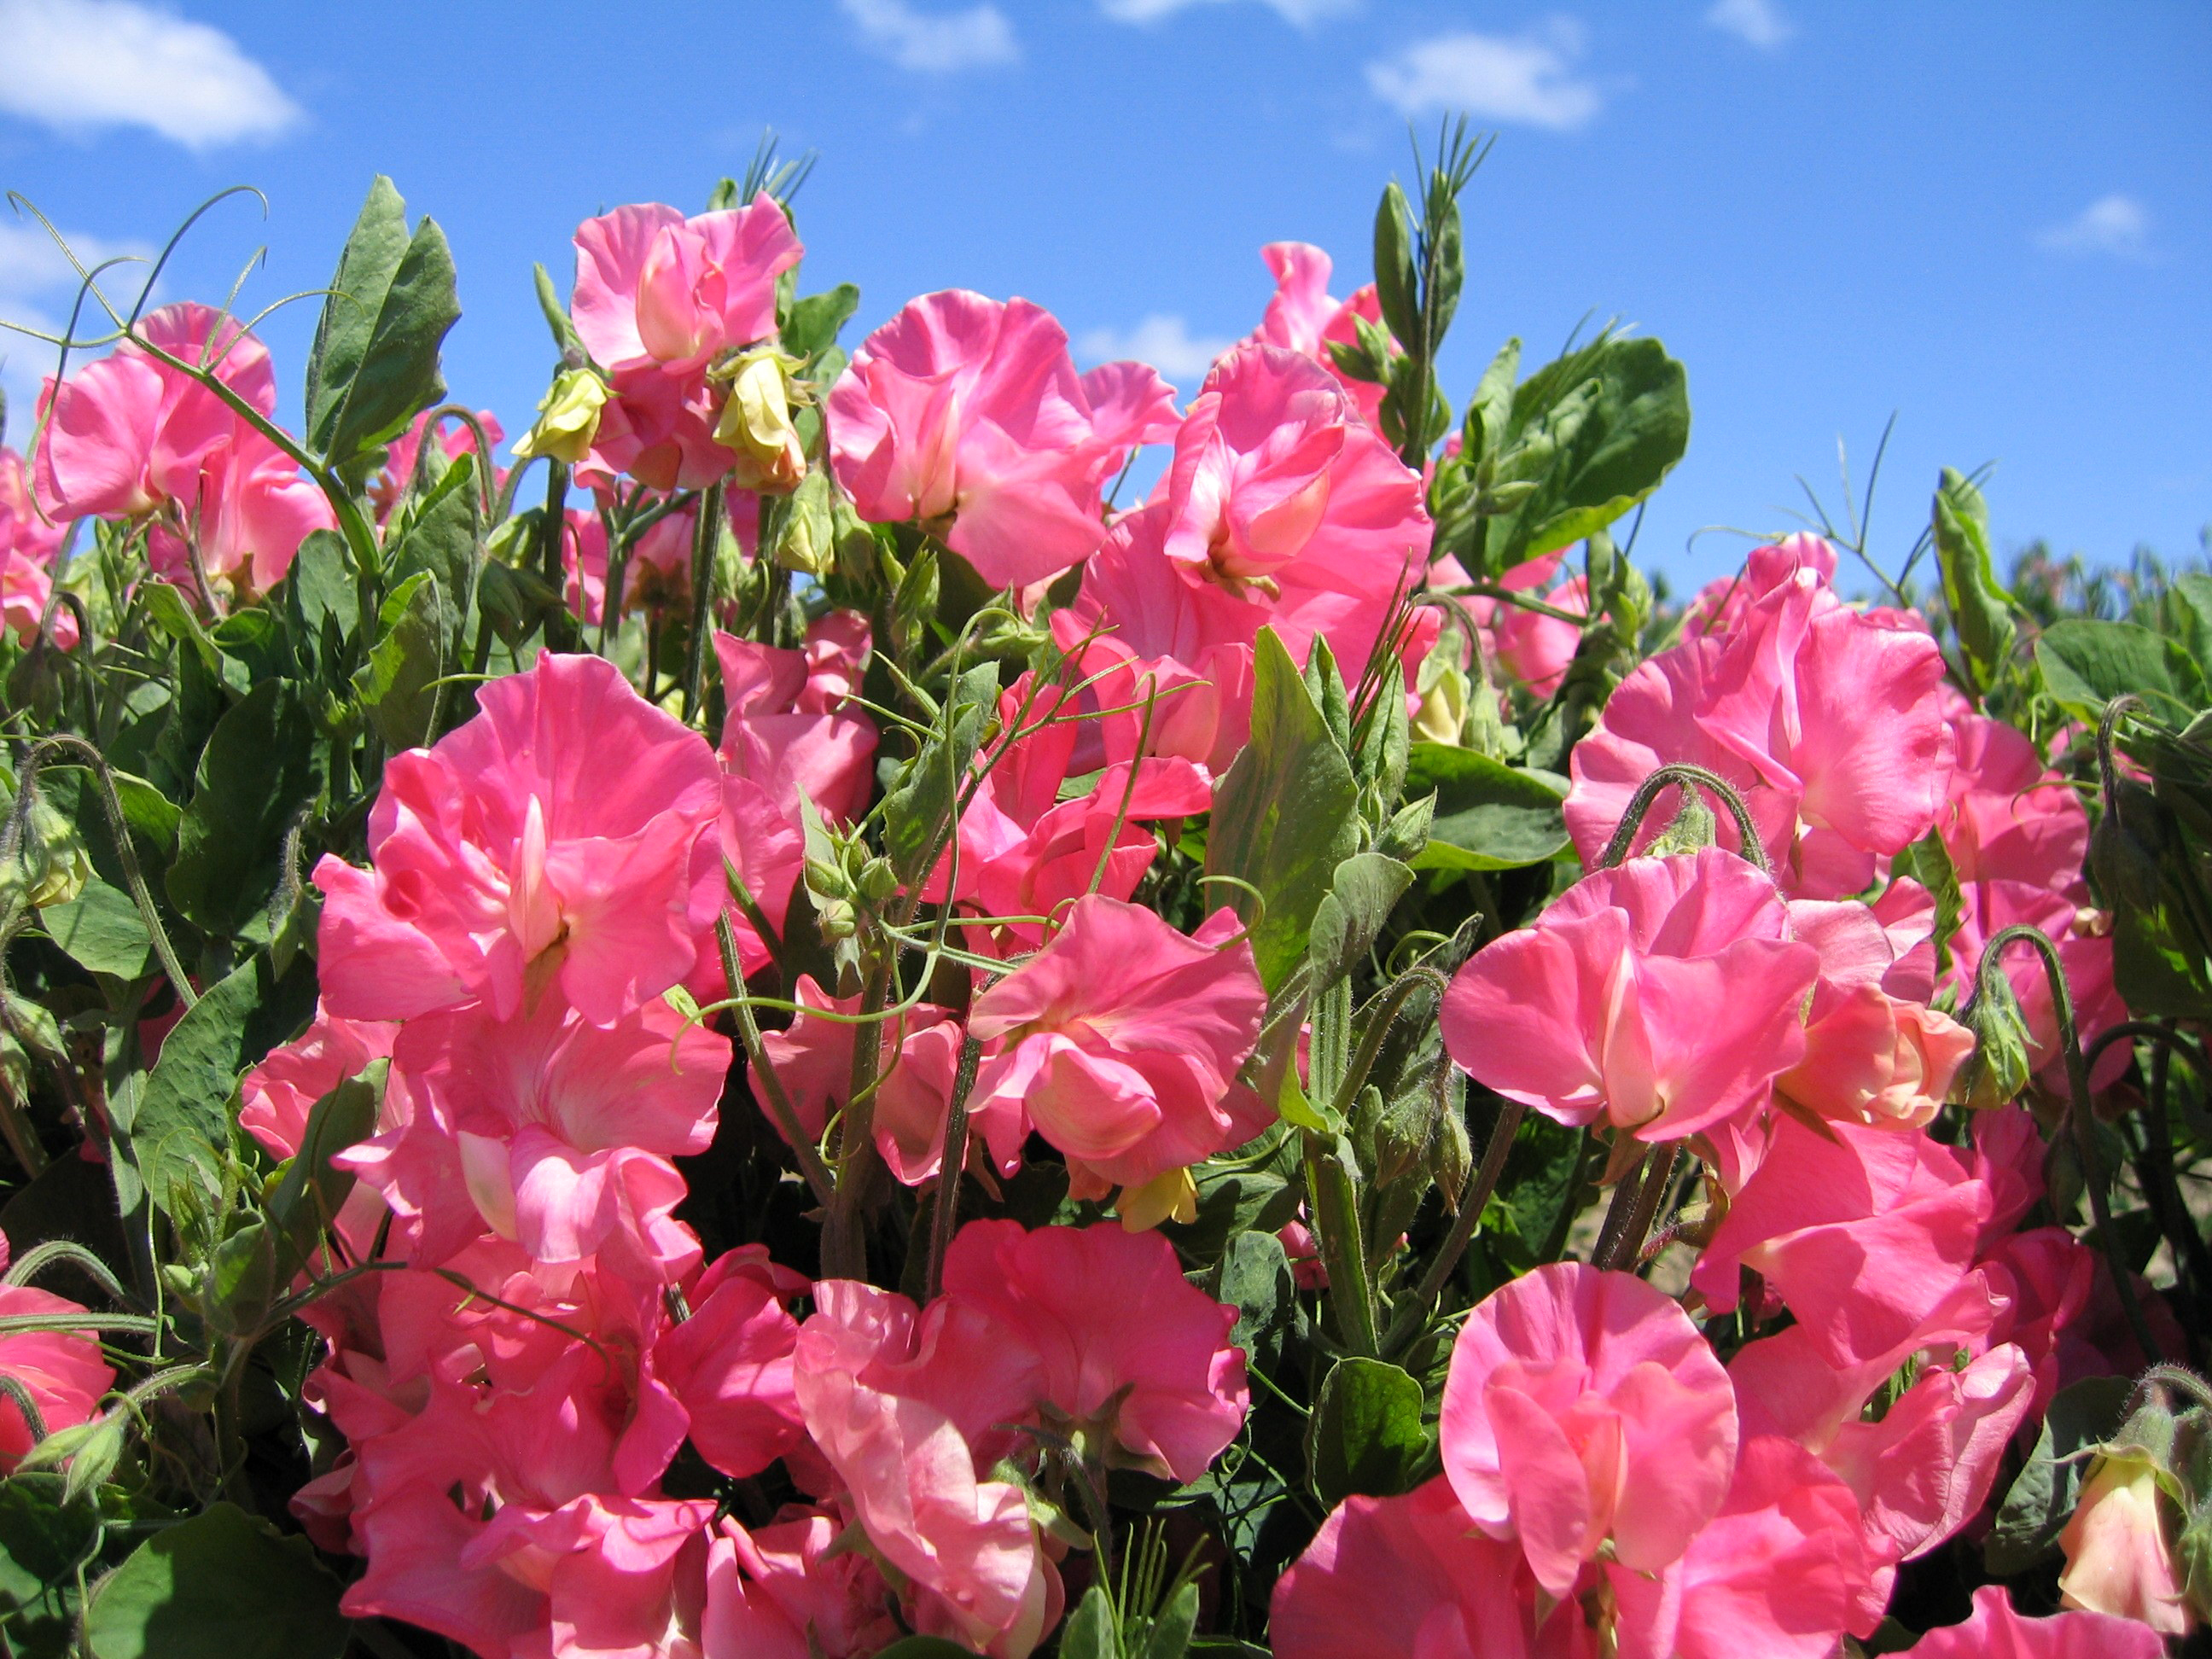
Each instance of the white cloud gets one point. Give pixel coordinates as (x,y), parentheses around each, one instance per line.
(1165,342)
(1300,14)
(78,65)
(2118,225)
(934,43)
(1528,78)
(1760,23)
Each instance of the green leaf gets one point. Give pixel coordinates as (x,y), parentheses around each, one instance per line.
(1980,608)
(1489,816)
(814,321)
(1093,1631)
(308,1199)
(102,932)
(259,767)
(917,812)
(167,610)
(1173,1625)
(397,685)
(1367,1435)
(2035,1510)
(375,365)
(42,1540)
(1287,813)
(1255,1277)
(1396,282)
(182,1123)
(926,1647)
(1607,423)
(1361,895)
(221,1585)
(565,336)
(2086,664)
(440,535)
(1928,861)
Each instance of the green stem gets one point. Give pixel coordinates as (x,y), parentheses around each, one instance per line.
(786,1116)
(1619,1246)
(1473,1197)
(844,1242)
(705,539)
(2080,1115)
(1632,821)
(1336,1222)
(944,1217)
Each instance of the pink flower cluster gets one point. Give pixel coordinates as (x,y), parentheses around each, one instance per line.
(29,546)
(515,1388)
(1610,1488)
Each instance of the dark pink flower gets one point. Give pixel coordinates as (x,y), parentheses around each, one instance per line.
(783,1591)
(1124,1347)
(729,1364)
(61,1371)
(550,839)
(1405,1576)
(1302,316)
(1823,720)
(1663,996)
(1583,1408)
(1122,1040)
(967,415)
(1996,1631)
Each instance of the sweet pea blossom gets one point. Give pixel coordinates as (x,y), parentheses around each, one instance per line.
(786,1591)
(1823,720)
(61,1370)
(1122,1038)
(1405,1575)
(967,1544)
(550,839)
(1121,1345)
(27,546)
(1996,1631)
(1661,996)
(967,415)
(653,287)
(1581,1408)
(1303,316)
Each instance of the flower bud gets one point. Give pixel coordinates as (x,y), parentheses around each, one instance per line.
(756,422)
(52,865)
(2117,1558)
(567,418)
(1444,688)
(1999,1068)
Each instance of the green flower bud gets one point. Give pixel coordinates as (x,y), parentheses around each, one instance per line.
(51,864)
(1999,1068)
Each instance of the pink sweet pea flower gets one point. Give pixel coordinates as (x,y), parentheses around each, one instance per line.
(729,1364)
(1996,1631)
(824,754)
(245,512)
(921,1050)
(654,287)
(657,426)
(1663,996)
(550,839)
(27,545)
(61,1371)
(1122,1040)
(1273,467)
(782,1591)
(1124,1346)
(2009,817)
(1405,1576)
(967,415)
(1584,1407)
(1780,1570)
(126,435)
(1868,1234)
(1302,316)
(1722,604)
(1823,720)
(967,1544)
(1875,1052)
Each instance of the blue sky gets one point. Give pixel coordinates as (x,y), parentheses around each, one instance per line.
(1995,220)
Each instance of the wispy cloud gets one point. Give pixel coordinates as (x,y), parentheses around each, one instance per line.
(79,65)
(1164,341)
(1527,78)
(37,285)
(1760,23)
(934,43)
(2115,225)
(1298,13)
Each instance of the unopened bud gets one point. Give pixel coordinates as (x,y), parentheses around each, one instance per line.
(1999,1068)
(51,864)
(567,418)
(756,422)
(1444,690)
